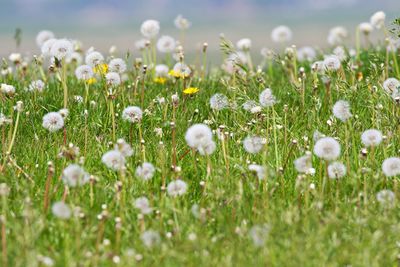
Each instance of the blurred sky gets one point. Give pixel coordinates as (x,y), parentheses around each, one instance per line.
(102,23)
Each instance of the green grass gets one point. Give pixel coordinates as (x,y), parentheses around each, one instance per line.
(337,227)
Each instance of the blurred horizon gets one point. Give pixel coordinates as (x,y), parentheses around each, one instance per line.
(103,23)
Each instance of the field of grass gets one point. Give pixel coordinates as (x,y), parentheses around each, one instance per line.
(224,213)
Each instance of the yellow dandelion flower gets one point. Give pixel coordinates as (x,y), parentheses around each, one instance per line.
(177,74)
(191,90)
(91,81)
(101,69)
(160,80)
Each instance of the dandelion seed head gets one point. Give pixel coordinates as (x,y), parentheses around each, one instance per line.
(61,48)
(331,63)
(219,102)
(53,121)
(336,170)
(117,65)
(327,148)
(176,188)
(337,35)
(365,27)
(7,89)
(281,34)
(378,19)
(198,135)
(261,171)
(303,164)
(386,197)
(113,159)
(306,53)
(391,166)
(46,47)
(267,99)
(74,175)
(253,144)
(43,36)
(150,238)
(391,85)
(61,210)
(244,44)
(182,23)
(166,44)
(371,137)
(143,204)
(84,72)
(341,110)
(132,114)
(113,79)
(259,234)
(145,171)
(94,58)
(150,28)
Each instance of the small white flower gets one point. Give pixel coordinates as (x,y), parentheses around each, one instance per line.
(267,99)
(94,58)
(336,170)
(75,175)
(84,72)
(391,166)
(15,57)
(281,34)
(337,35)
(166,44)
(61,210)
(43,36)
(75,57)
(132,114)
(371,137)
(219,102)
(150,238)
(327,148)
(150,28)
(53,121)
(244,44)
(207,148)
(341,110)
(182,69)
(143,204)
(117,65)
(113,159)
(182,23)
(61,48)
(249,105)
(176,188)
(253,144)
(378,19)
(145,171)
(141,44)
(340,52)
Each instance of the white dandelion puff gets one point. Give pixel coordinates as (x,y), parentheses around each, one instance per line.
(371,137)
(391,166)
(176,188)
(46,47)
(74,175)
(143,204)
(161,70)
(150,238)
(378,19)
(244,44)
(198,135)
(336,170)
(53,121)
(261,171)
(267,99)
(219,102)
(259,234)
(7,89)
(166,44)
(253,144)
(337,35)
(132,114)
(386,197)
(365,27)
(43,36)
(306,53)
(94,58)
(207,148)
(182,23)
(145,171)
(123,147)
(341,110)
(113,159)
(61,48)
(391,85)
(117,65)
(303,164)
(61,210)
(150,28)
(84,72)
(327,148)
(331,63)
(113,79)
(281,34)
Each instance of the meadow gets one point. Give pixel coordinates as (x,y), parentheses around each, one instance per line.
(285,157)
